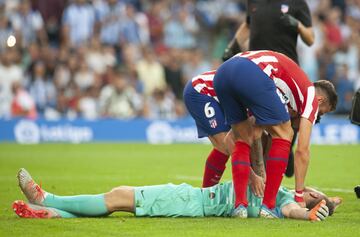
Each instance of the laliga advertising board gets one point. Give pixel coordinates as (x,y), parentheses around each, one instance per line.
(329,131)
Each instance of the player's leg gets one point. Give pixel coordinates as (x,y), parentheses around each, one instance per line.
(276,163)
(118,199)
(210,122)
(216,161)
(229,87)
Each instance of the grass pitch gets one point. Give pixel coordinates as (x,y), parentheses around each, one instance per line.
(94,168)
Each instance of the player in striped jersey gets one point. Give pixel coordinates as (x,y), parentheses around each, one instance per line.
(203,105)
(274,89)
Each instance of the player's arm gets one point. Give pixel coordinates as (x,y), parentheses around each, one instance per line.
(307,34)
(294,211)
(257,184)
(302,157)
(256,157)
(236,45)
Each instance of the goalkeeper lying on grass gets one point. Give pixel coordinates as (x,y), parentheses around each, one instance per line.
(162,200)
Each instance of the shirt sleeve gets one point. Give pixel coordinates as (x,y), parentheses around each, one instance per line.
(284,197)
(310,106)
(303,13)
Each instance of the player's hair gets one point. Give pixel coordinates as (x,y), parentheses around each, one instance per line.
(330,204)
(329,89)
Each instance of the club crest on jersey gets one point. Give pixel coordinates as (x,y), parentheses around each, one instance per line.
(284,8)
(213,123)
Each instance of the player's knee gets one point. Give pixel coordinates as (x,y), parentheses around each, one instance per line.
(112,196)
(283,131)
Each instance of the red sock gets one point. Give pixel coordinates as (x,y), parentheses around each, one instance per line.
(240,172)
(275,169)
(214,168)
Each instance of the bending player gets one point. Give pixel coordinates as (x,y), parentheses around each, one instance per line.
(274,89)
(161,200)
(203,105)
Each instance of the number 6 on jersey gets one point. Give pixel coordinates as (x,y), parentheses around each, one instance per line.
(209,111)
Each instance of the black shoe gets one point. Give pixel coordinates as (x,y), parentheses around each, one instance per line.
(290,166)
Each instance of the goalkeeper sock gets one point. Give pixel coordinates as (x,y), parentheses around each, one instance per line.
(240,172)
(63,214)
(84,205)
(275,168)
(214,168)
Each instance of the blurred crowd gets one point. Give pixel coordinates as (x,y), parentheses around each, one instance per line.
(131,58)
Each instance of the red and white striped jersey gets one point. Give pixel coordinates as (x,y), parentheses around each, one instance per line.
(203,84)
(294,87)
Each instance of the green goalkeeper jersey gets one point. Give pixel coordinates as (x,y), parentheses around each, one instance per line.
(219,200)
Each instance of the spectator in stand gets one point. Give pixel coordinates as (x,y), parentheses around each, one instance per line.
(109,14)
(78,23)
(84,78)
(88,104)
(195,64)
(173,71)
(119,100)
(150,72)
(28,25)
(344,89)
(160,105)
(9,73)
(5,31)
(180,30)
(42,89)
(333,37)
(134,27)
(156,21)
(51,12)
(97,58)
(22,104)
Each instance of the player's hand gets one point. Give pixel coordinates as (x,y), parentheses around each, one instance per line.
(289,21)
(257,185)
(319,212)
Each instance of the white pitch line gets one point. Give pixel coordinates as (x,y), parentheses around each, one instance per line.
(186,177)
(338,190)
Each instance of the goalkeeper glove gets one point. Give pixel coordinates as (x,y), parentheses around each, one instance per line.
(319,212)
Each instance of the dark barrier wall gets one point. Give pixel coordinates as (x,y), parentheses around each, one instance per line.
(329,131)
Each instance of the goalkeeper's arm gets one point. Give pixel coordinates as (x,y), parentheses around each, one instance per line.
(236,45)
(317,213)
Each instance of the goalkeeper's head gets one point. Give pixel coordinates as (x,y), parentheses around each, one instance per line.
(312,198)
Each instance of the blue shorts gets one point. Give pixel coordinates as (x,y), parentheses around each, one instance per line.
(206,111)
(240,85)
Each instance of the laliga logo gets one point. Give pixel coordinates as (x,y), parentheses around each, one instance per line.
(159,133)
(27,132)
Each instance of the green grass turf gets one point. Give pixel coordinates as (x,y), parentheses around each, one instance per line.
(93,168)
